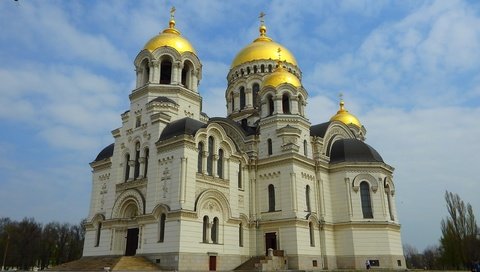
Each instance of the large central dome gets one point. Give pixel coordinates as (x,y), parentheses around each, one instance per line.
(263,48)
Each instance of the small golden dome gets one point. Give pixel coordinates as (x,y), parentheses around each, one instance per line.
(170,37)
(345,117)
(280,76)
(262,48)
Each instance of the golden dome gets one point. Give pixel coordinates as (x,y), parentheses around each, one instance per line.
(170,37)
(262,48)
(345,117)
(280,76)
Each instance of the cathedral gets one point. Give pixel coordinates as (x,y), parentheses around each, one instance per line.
(261,187)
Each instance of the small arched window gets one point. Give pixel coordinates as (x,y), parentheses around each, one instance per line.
(312,234)
(161,228)
(200,158)
(271,198)
(205,229)
(242,97)
(262,68)
(240,185)
(127,166)
(286,103)
(146,155)
(248,70)
(137,161)
(240,235)
(305,150)
(307,198)
(255,90)
(210,156)
(255,69)
(270,104)
(269,147)
(166,72)
(220,163)
(270,68)
(99,232)
(232,101)
(366,201)
(215,230)
(145,72)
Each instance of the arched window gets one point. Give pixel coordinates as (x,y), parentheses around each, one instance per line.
(305,150)
(161,228)
(166,72)
(186,74)
(240,185)
(312,234)
(220,163)
(270,68)
(271,198)
(242,97)
(270,104)
(200,158)
(255,90)
(145,72)
(269,147)
(215,230)
(99,232)
(248,70)
(389,202)
(147,155)
(210,156)
(232,99)
(286,103)
(240,235)
(366,201)
(127,166)
(137,161)
(262,68)
(205,229)
(307,198)
(255,69)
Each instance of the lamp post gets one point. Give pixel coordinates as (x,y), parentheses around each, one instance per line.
(5,252)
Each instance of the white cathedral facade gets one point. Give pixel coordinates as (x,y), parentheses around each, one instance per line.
(198,193)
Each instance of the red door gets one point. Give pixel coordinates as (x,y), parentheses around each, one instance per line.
(212,266)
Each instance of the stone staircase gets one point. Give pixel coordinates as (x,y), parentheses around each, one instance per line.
(263,263)
(115,263)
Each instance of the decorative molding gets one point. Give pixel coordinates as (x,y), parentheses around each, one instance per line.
(308,176)
(269,175)
(104,177)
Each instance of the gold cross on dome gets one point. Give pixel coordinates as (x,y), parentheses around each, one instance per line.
(172,12)
(262,15)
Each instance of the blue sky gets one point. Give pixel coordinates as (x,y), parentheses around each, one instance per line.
(409,70)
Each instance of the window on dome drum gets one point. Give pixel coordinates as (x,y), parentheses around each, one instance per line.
(200,158)
(255,90)
(220,163)
(248,70)
(146,155)
(270,104)
(166,72)
(262,68)
(389,202)
(232,102)
(210,156)
(186,74)
(161,229)
(205,229)
(242,97)
(240,185)
(271,198)
(305,151)
(269,147)
(366,201)
(312,234)
(307,198)
(240,235)
(286,103)
(99,232)
(255,69)
(270,68)
(215,230)
(137,161)
(127,166)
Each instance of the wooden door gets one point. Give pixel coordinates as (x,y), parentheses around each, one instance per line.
(212,266)
(270,241)
(132,242)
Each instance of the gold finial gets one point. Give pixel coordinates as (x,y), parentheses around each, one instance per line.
(172,18)
(340,95)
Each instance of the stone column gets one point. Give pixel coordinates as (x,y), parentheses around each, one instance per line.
(131,164)
(293,178)
(142,167)
(248,98)
(155,71)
